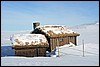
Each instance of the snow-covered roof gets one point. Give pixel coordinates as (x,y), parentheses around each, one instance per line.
(29,39)
(56,30)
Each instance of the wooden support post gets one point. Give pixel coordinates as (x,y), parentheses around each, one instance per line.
(37,51)
(83,47)
(75,40)
(58,48)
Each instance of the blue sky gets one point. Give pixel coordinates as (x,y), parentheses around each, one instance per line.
(19,15)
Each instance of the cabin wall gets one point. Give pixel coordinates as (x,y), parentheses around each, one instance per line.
(52,44)
(30,51)
(61,41)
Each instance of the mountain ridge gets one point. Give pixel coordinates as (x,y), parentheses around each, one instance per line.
(84,26)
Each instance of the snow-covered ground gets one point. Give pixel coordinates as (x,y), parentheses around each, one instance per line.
(69,56)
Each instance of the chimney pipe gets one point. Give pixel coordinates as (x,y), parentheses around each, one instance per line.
(35,25)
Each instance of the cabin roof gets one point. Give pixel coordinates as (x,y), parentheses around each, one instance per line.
(56,30)
(29,39)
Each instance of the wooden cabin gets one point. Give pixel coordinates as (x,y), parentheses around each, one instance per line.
(30,45)
(56,35)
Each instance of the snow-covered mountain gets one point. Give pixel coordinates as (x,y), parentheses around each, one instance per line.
(84,26)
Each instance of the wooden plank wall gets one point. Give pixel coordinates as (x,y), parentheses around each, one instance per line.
(62,41)
(35,52)
(72,39)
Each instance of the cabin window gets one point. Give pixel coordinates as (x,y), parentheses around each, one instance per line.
(61,40)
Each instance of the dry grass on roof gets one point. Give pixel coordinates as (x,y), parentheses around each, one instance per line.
(53,34)
(51,26)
